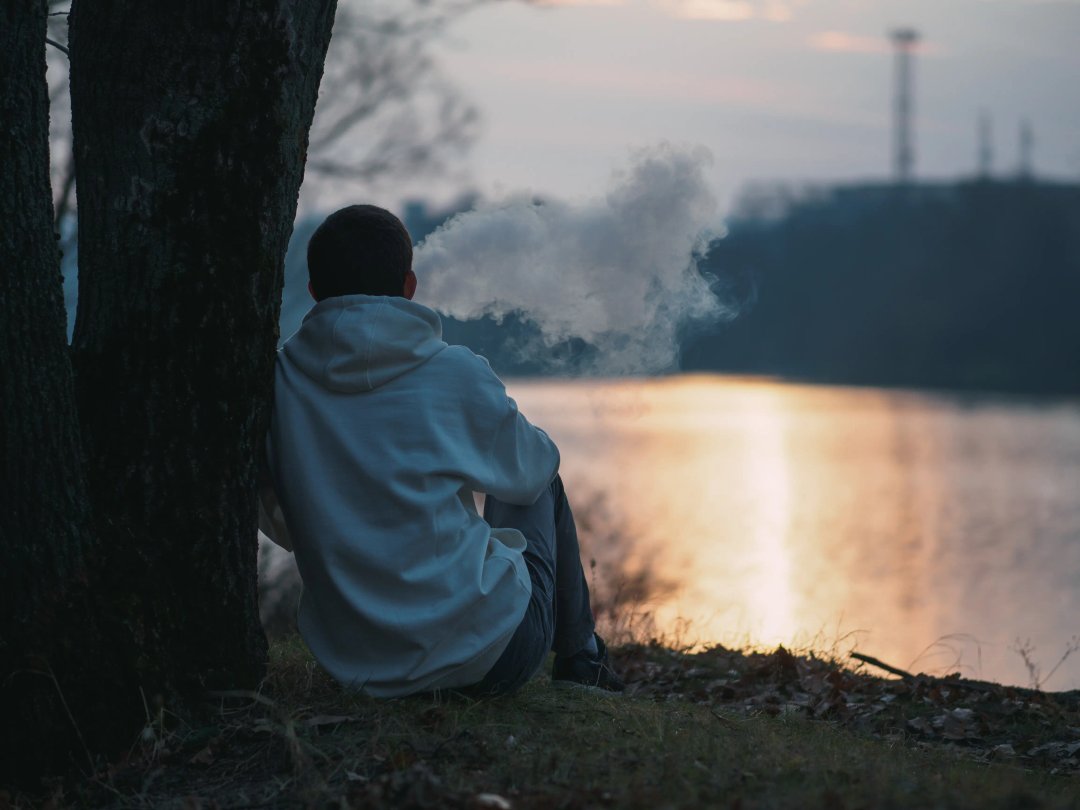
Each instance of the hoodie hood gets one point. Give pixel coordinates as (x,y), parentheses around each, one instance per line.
(355,343)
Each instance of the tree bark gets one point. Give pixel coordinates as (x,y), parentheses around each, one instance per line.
(128,514)
(190,126)
(44,517)
(41,523)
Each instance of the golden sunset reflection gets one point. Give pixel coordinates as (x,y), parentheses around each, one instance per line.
(760,460)
(932,532)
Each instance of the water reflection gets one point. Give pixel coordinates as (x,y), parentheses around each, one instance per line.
(936,530)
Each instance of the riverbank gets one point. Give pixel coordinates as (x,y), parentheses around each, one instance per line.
(720,728)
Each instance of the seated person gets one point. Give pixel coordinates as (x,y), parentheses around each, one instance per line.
(380,435)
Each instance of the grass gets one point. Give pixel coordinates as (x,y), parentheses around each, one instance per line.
(719,728)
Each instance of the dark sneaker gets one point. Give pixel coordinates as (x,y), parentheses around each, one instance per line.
(583,669)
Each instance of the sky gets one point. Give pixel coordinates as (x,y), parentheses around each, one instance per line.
(780,91)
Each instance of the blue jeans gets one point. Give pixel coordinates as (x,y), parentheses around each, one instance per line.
(558,617)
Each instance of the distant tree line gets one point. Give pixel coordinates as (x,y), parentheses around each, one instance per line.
(969,286)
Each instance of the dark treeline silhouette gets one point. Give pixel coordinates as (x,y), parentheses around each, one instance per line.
(971,286)
(968,286)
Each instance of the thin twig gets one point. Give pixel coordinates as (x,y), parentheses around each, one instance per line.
(63,702)
(244,694)
(727,721)
(875,662)
(1073,646)
(58,47)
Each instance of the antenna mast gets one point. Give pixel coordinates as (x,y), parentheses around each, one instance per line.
(904,41)
(986,146)
(1027,147)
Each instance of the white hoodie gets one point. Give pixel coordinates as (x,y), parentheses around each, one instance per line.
(380,434)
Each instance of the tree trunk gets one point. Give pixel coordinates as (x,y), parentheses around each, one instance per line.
(129,545)
(44,517)
(190,126)
(41,523)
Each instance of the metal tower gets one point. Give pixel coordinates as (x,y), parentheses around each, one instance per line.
(986,146)
(904,41)
(1027,147)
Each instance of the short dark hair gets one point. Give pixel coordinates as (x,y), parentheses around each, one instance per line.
(361,249)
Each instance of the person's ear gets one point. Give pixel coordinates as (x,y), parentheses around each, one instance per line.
(410,284)
(311,290)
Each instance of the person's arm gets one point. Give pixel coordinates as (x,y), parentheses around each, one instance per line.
(520,460)
(271,518)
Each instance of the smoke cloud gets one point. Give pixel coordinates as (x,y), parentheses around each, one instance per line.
(618,273)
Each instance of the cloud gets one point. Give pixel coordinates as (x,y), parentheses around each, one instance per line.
(645,82)
(730,10)
(844,42)
(715,10)
(578,2)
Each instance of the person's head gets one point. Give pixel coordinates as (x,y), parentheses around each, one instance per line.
(361,249)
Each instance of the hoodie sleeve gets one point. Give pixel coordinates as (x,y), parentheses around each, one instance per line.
(271,518)
(521,461)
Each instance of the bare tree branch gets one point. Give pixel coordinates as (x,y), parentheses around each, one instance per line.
(58,46)
(383,110)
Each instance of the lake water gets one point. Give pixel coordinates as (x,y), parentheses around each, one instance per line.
(935,532)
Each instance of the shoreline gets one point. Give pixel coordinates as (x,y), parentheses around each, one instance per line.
(718,727)
(986,721)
